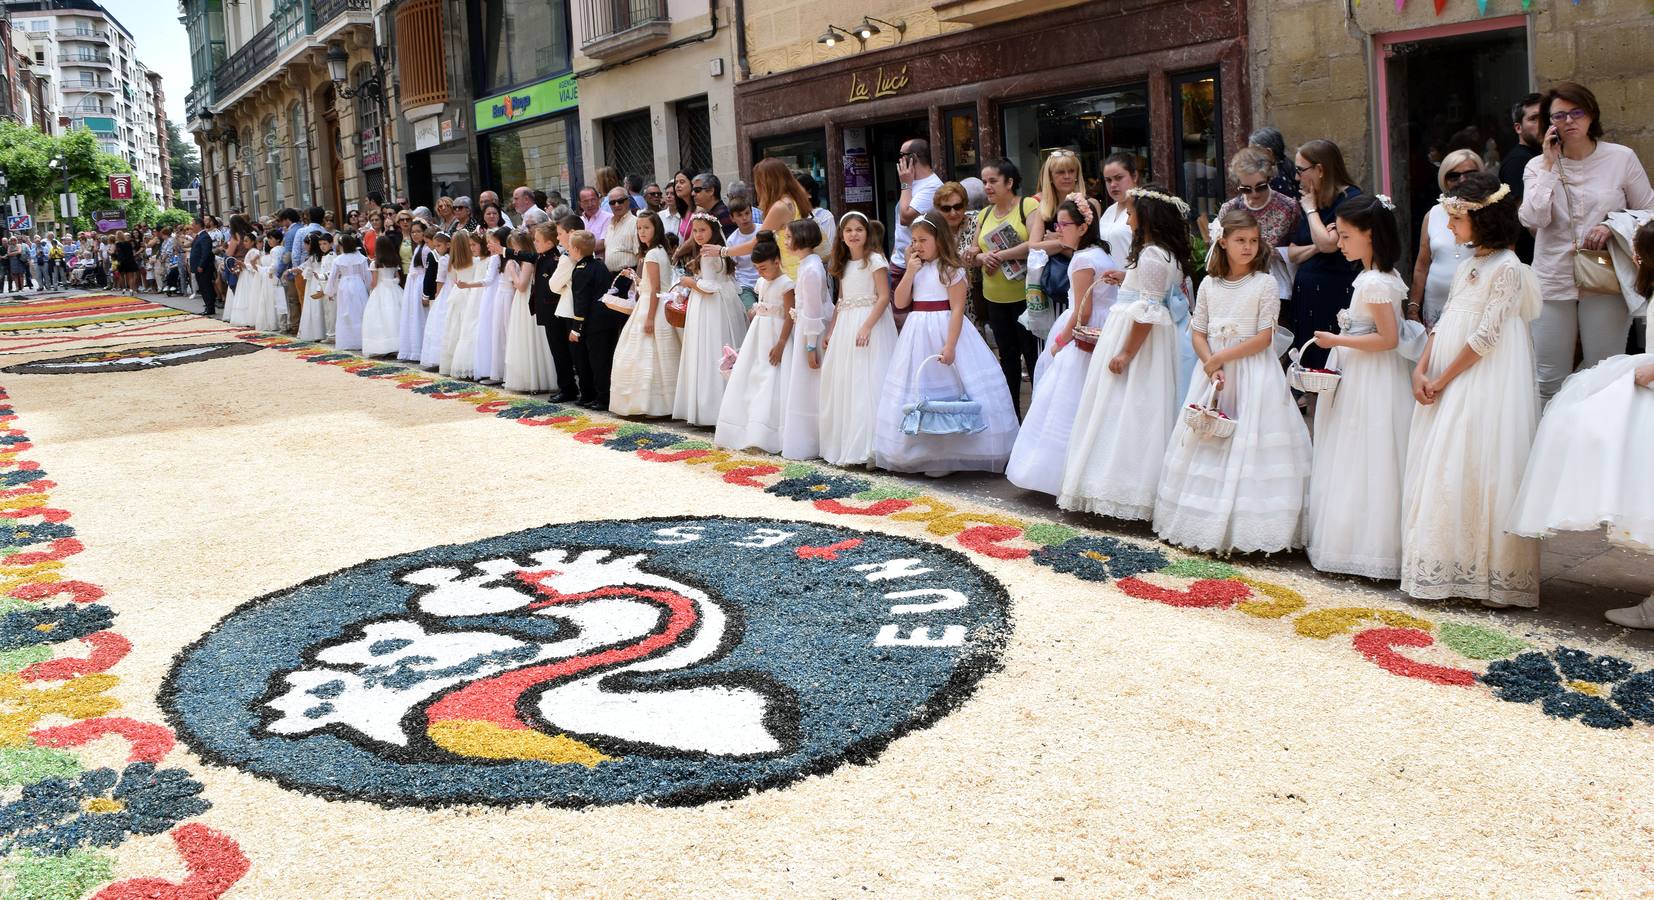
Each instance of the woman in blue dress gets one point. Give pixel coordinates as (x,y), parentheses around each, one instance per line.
(1322,285)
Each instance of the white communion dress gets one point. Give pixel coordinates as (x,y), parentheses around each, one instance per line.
(645,374)
(382,319)
(751,413)
(715,319)
(348,286)
(852,376)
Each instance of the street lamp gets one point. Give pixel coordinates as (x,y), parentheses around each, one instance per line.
(338,71)
(61,163)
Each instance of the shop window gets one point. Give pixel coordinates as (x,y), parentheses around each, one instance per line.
(694,135)
(367,122)
(523,41)
(805,153)
(535,155)
(961,160)
(1198,127)
(1093,125)
(629,144)
(272,164)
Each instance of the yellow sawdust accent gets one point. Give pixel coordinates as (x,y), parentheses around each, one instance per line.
(1092,554)
(45,627)
(103,805)
(1283,601)
(1587,687)
(485,740)
(23,501)
(23,706)
(1324,623)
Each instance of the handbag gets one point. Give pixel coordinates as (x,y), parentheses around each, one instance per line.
(1593,269)
(942,417)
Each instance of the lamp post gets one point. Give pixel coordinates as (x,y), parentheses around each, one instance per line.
(338,70)
(70,205)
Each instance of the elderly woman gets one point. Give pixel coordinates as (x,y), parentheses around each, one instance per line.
(953,201)
(1282,180)
(1439,251)
(1277,214)
(1569,193)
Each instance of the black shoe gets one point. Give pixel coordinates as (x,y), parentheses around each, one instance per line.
(593,405)
(563,397)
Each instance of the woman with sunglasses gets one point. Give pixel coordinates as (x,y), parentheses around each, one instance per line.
(1253,170)
(1439,251)
(1325,278)
(1570,192)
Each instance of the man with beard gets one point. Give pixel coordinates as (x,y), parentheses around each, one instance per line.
(1524,115)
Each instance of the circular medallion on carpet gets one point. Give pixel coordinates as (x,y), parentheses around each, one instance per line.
(132,359)
(671,661)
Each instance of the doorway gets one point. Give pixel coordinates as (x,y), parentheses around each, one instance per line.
(884,145)
(1444,89)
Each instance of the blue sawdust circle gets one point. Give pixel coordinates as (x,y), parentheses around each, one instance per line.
(802,631)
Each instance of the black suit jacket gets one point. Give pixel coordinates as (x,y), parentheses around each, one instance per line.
(431,266)
(201,259)
(542,300)
(590,281)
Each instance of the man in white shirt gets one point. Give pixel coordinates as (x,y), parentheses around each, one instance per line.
(595,213)
(522,200)
(620,243)
(919,184)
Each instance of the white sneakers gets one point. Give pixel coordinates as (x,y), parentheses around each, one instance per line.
(1639,616)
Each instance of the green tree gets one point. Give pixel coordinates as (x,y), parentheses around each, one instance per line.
(186,160)
(172,218)
(25,158)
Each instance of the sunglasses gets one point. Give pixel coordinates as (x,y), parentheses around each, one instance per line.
(621,202)
(651,193)
(1062,224)
(949,207)
(1254,188)
(700,190)
(1062,154)
(1455,176)
(1562,116)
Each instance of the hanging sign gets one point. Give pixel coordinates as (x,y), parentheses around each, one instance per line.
(120,187)
(538,99)
(19,223)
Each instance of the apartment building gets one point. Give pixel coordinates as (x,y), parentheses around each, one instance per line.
(91,62)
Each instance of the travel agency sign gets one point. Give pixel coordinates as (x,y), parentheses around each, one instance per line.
(528,102)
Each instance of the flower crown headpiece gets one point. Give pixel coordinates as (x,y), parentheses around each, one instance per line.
(1385,201)
(1080,200)
(1176,202)
(1460,206)
(707,217)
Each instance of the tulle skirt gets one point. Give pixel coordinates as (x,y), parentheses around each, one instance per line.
(489,339)
(711,323)
(435,338)
(1591,465)
(352,297)
(1059,380)
(527,356)
(923,335)
(645,374)
(315,315)
(411,333)
(267,294)
(752,409)
(382,319)
(459,344)
(852,378)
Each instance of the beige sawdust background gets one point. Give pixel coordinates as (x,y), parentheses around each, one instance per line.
(1127,747)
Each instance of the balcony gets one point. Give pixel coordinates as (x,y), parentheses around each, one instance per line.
(82,34)
(88,87)
(293,21)
(614,27)
(85,59)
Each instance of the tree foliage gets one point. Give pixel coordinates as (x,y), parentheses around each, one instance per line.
(25,158)
(172,218)
(186,160)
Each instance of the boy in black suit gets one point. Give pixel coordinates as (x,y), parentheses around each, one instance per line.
(596,327)
(574,380)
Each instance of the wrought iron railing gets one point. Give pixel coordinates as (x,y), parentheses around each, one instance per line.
(85,59)
(328,10)
(607,18)
(292,20)
(247,61)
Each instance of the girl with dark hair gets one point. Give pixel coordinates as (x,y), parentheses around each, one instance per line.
(1120,175)
(269,309)
(381,318)
(1001,248)
(1589,465)
(715,319)
(348,287)
(1569,193)
(316,319)
(412,330)
(1245,493)
(1354,520)
(1130,400)
(644,379)
(494,311)
(529,366)
(1042,443)
(1322,284)
(862,337)
(1478,408)
(752,411)
(936,358)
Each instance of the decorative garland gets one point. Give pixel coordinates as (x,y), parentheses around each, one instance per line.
(57,651)
(1145,572)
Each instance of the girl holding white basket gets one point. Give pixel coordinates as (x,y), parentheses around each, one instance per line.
(1237,470)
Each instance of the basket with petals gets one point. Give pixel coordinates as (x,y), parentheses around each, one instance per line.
(1206,419)
(1308,380)
(677,308)
(1085,337)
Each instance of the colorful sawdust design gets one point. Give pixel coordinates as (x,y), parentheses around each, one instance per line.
(132,359)
(1467,657)
(45,316)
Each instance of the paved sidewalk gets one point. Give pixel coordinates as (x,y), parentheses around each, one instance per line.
(1583,575)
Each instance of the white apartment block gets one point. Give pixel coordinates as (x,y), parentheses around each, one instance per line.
(92,64)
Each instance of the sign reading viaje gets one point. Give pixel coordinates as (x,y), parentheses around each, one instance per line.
(109,220)
(120,188)
(539,99)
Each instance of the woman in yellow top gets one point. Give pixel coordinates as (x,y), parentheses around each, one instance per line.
(1001,251)
(784,201)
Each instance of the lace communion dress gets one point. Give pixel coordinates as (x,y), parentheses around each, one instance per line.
(237,309)
(1059,380)
(1590,462)
(382,319)
(507,294)
(313,318)
(1247,492)
(852,376)
(348,286)
(1361,429)
(714,320)
(1466,452)
(436,320)
(269,306)
(812,308)
(751,413)
(1124,422)
(411,331)
(489,341)
(645,375)
(923,335)
(459,341)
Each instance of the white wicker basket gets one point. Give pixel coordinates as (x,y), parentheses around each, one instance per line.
(1308,380)
(1205,419)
